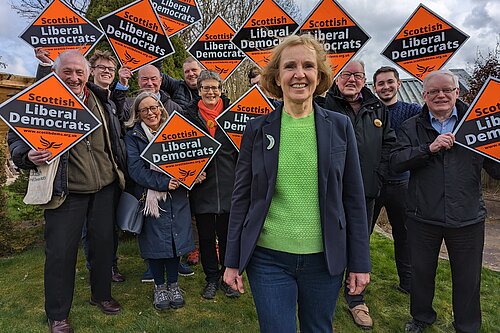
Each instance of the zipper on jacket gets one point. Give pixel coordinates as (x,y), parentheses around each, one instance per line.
(94,165)
(217,187)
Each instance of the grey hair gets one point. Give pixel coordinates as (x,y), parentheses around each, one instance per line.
(208,75)
(134,110)
(441,72)
(360,62)
(58,61)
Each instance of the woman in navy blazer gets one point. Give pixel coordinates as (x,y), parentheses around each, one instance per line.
(282,279)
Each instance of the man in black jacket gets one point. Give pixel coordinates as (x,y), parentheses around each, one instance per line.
(444,202)
(183,91)
(375,138)
(393,193)
(87,180)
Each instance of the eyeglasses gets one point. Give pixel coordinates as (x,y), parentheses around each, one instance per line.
(152,108)
(347,75)
(152,78)
(103,68)
(208,88)
(435,92)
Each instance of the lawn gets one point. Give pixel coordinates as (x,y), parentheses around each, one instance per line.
(21,299)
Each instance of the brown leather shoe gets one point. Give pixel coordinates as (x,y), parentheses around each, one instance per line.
(116,276)
(361,316)
(109,307)
(60,326)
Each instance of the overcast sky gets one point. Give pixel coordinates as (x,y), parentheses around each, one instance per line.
(381,19)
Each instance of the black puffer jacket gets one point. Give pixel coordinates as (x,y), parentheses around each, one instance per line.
(444,187)
(374,142)
(213,196)
(178,90)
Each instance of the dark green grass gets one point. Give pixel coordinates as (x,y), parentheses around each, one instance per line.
(22,308)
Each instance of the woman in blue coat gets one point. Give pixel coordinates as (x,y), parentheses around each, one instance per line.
(166,234)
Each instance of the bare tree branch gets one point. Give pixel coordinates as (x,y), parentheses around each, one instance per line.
(30,9)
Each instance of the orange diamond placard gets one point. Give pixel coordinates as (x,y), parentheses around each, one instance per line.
(215,50)
(342,37)
(263,30)
(233,120)
(479,129)
(136,34)
(177,15)
(59,28)
(48,116)
(181,150)
(425,43)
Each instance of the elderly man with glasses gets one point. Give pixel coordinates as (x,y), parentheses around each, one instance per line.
(375,138)
(444,203)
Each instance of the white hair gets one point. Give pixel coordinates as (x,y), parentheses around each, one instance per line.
(441,72)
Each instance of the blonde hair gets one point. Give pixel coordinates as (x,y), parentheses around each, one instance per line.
(271,71)
(134,110)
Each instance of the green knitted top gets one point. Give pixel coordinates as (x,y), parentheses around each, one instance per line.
(293,222)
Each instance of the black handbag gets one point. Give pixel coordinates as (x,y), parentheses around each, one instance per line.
(129,214)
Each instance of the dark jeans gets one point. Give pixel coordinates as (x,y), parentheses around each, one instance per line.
(63,231)
(392,197)
(212,228)
(465,250)
(281,281)
(354,300)
(160,266)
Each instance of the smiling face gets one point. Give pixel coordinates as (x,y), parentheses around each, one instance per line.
(349,85)
(386,87)
(438,102)
(191,72)
(103,72)
(298,74)
(149,78)
(210,92)
(150,113)
(73,71)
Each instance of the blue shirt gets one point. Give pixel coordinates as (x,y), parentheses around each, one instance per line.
(447,125)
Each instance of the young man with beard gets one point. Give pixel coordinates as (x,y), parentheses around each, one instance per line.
(393,193)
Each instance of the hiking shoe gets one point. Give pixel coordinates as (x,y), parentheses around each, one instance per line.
(361,316)
(184,270)
(193,257)
(228,291)
(147,276)
(176,299)
(415,326)
(210,290)
(161,297)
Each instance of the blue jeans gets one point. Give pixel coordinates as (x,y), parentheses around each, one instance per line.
(280,281)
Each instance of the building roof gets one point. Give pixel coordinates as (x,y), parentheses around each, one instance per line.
(411,89)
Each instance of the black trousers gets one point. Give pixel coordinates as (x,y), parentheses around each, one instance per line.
(354,300)
(212,230)
(465,250)
(392,197)
(63,230)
